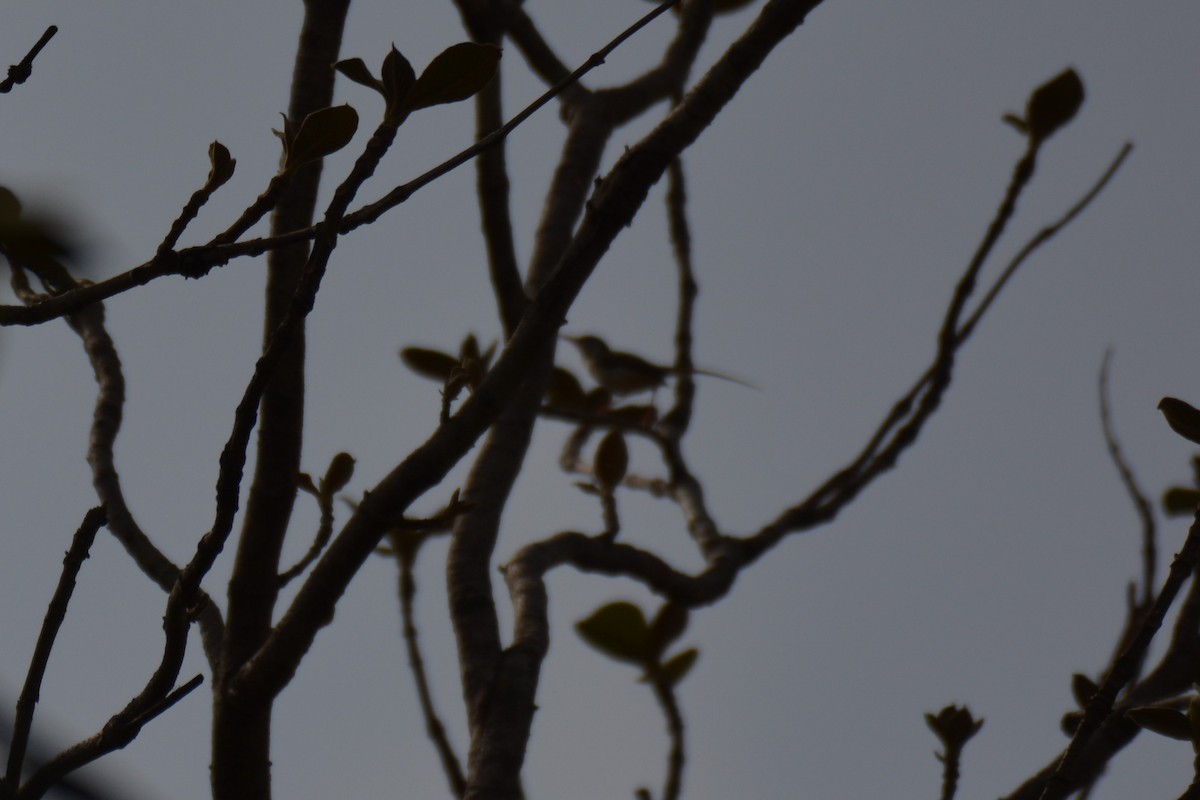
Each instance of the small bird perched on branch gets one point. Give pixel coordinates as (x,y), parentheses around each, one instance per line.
(624,373)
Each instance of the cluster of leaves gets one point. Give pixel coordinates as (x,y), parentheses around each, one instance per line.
(455,74)
(620,631)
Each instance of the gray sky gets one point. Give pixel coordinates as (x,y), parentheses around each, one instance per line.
(834,205)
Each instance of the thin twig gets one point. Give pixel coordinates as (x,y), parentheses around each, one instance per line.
(665,694)
(904,421)
(1129,481)
(324,531)
(19,73)
(56,612)
(406,556)
(1043,236)
(115,735)
(199,198)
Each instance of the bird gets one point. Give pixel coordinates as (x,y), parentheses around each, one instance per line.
(625,373)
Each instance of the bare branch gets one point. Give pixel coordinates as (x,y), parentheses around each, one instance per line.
(115,735)
(56,612)
(900,428)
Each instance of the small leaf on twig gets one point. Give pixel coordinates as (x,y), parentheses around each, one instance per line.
(222,166)
(427,363)
(1163,721)
(612,459)
(322,132)
(678,666)
(618,629)
(1083,689)
(1180,502)
(1053,104)
(341,469)
(458,72)
(398,80)
(305,482)
(668,625)
(356,70)
(1183,418)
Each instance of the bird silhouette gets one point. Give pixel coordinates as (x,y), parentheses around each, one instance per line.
(625,373)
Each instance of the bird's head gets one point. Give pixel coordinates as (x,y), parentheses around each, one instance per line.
(592,347)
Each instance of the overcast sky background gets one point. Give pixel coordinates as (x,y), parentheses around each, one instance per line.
(834,205)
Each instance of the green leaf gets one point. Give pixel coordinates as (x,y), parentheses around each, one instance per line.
(1180,502)
(222,166)
(458,72)
(1053,104)
(1182,418)
(679,665)
(398,79)
(618,630)
(612,459)
(1083,689)
(341,469)
(432,364)
(668,625)
(322,132)
(1163,721)
(357,71)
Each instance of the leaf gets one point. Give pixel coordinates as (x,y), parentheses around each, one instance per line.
(356,70)
(469,349)
(1182,418)
(455,74)
(432,364)
(1016,122)
(619,630)
(305,482)
(565,390)
(679,665)
(341,469)
(398,80)
(1053,104)
(1083,689)
(1163,721)
(1180,502)
(668,625)
(222,166)
(612,459)
(322,132)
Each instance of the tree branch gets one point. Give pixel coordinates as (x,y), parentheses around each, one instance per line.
(56,612)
